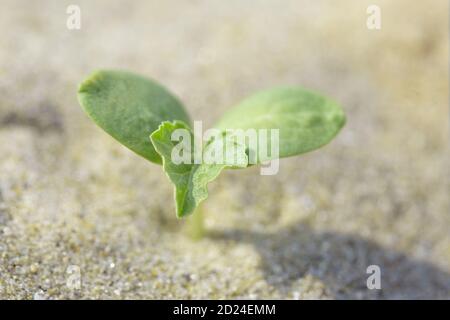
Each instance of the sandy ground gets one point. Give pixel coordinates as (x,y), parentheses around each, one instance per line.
(378,194)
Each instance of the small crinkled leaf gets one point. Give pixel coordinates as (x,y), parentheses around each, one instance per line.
(190,180)
(129,107)
(306,120)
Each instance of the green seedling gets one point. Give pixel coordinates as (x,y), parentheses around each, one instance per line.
(143,115)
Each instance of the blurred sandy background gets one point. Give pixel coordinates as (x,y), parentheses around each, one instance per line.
(378,194)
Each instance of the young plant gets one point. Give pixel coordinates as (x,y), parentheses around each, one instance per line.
(143,116)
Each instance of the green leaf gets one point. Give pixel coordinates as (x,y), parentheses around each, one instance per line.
(129,107)
(306,120)
(190,180)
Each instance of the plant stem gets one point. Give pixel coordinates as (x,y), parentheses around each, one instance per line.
(195,225)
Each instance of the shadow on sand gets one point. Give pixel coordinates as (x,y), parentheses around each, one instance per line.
(340,261)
